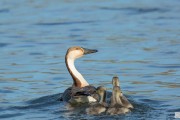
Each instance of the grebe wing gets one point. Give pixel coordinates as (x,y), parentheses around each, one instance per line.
(76,91)
(66,96)
(125,102)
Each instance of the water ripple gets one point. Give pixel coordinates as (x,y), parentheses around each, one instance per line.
(65,23)
(11,115)
(165,66)
(4,10)
(4,44)
(136,10)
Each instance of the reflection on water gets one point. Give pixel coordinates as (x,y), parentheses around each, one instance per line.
(138,41)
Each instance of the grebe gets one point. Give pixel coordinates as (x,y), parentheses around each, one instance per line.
(116,105)
(125,102)
(80,86)
(119,103)
(100,106)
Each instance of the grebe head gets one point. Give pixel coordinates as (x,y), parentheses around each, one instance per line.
(100,89)
(77,52)
(115,81)
(117,91)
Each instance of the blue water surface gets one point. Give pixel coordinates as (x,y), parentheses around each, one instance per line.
(137,40)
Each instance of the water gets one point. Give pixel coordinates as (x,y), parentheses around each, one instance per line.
(137,40)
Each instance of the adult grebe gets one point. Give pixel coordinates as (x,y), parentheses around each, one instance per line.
(100,106)
(80,85)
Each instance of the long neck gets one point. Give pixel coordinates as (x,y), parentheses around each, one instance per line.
(102,97)
(116,99)
(78,79)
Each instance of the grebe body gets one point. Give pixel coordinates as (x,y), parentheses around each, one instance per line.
(99,106)
(118,103)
